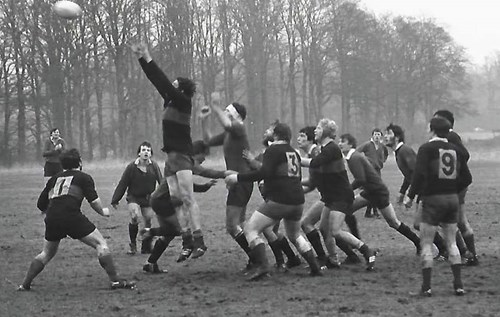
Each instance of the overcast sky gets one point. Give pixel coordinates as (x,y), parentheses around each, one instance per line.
(474,25)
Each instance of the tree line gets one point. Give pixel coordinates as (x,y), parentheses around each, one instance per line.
(296,60)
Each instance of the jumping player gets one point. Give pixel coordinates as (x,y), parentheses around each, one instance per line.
(177,143)
(441,173)
(139,180)
(281,173)
(61,200)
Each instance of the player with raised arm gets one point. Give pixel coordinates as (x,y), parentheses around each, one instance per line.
(441,173)
(336,191)
(177,143)
(61,201)
(281,173)
(139,181)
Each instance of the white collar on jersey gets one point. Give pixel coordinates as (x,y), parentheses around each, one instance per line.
(438,139)
(138,160)
(349,154)
(400,144)
(277,142)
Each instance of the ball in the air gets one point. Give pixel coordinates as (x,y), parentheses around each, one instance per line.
(67,9)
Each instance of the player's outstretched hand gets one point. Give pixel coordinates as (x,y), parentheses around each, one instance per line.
(401,198)
(247,155)
(140,49)
(205,111)
(408,203)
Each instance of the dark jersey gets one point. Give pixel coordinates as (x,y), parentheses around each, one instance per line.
(139,183)
(281,173)
(233,140)
(64,193)
(377,155)
(454,138)
(405,159)
(331,178)
(176,121)
(364,173)
(441,168)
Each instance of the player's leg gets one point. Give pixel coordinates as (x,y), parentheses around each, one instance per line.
(254,226)
(331,260)
(39,263)
(292,228)
(293,259)
(134,211)
(97,241)
(147,216)
(168,230)
(392,220)
(309,219)
(274,244)
(234,229)
(438,239)
(468,235)
(449,231)
(427,232)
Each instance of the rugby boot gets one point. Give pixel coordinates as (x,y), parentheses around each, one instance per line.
(332,262)
(184,255)
(351,259)
(23,288)
(293,262)
(314,266)
(422,293)
(132,248)
(199,247)
(122,284)
(258,257)
(281,268)
(472,261)
(370,256)
(153,268)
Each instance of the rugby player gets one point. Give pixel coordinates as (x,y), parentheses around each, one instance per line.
(281,173)
(139,181)
(374,191)
(51,151)
(336,191)
(177,143)
(441,173)
(61,202)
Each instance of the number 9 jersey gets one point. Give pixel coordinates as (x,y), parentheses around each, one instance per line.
(441,168)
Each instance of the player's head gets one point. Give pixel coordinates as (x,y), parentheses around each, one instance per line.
(440,126)
(448,115)
(305,138)
(347,142)
(145,150)
(236,111)
(326,128)
(70,159)
(377,135)
(55,133)
(394,134)
(200,151)
(187,86)
(282,132)
(268,133)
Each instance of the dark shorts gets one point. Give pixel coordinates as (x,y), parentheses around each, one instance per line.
(161,201)
(379,199)
(141,201)
(52,168)
(169,225)
(342,206)
(438,209)
(75,226)
(461,196)
(279,211)
(176,162)
(239,194)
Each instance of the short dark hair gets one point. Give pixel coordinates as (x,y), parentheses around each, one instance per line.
(440,126)
(377,130)
(351,140)
(283,132)
(53,130)
(145,143)
(242,111)
(448,115)
(397,130)
(70,159)
(309,132)
(200,147)
(187,86)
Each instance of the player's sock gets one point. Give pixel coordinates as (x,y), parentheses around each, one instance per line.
(352,223)
(286,248)
(106,262)
(457,276)
(406,231)
(312,261)
(439,242)
(198,241)
(469,242)
(315,240)
(133,229)
(346,248)
(462,248)
(258,255)
(187,239)
(35,268)
(159,247)
(278,254)
(426,277)
(242,242)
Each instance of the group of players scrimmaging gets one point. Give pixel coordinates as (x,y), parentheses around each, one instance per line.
(437,175)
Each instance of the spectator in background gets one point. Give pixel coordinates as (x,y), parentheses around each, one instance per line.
(51,151)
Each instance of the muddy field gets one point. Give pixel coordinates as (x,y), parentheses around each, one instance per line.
(73,284)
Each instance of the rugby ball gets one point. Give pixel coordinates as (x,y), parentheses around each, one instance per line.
(67,9)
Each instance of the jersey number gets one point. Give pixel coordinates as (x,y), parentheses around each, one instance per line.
(61,187)
(447,164)
(293,164)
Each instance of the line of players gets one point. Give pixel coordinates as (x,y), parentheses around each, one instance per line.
(283,191)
